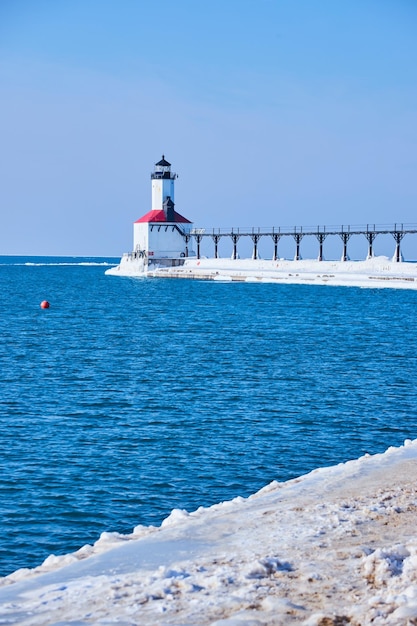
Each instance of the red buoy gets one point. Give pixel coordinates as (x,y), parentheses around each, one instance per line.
(44,304)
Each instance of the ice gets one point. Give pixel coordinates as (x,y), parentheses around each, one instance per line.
(374,272)
(334,546)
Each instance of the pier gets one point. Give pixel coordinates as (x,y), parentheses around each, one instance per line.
(370,231)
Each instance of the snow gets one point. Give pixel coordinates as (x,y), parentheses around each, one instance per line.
(336,546)
(374,272)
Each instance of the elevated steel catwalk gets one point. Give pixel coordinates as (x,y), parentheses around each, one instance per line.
(370,231)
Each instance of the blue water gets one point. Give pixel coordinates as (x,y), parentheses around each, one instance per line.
(129,397)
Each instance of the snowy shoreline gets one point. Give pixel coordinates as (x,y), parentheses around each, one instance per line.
(336,546)
(375,272)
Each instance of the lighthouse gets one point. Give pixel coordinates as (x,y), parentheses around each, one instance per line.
(162,235)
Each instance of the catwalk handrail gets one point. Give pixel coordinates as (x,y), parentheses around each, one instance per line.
(362,229)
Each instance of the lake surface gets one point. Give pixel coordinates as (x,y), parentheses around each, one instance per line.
(130,397)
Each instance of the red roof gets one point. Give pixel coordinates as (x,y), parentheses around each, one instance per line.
(158,215)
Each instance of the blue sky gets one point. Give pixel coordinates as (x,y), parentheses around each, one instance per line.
(273,113)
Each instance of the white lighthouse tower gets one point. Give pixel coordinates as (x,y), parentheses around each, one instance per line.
(162,235)
(162,184)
